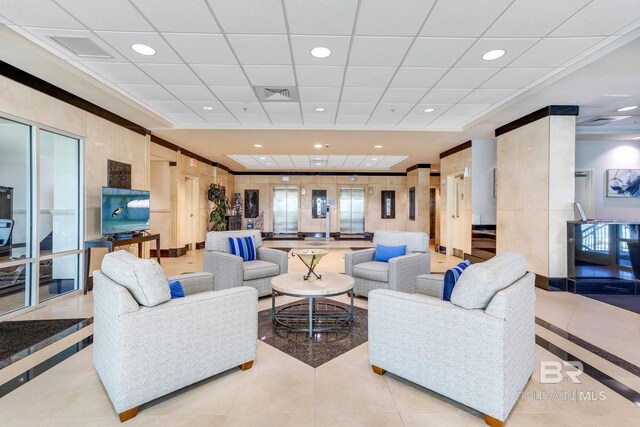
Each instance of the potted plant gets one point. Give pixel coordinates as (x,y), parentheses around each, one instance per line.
(221,206)
(634,250)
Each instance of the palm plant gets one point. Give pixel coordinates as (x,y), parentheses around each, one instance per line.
(221,206)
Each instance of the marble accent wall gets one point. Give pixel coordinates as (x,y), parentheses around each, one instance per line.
(536,192)
(453,165)
(420,179)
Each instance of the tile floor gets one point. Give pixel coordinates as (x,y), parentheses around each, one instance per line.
(280,390)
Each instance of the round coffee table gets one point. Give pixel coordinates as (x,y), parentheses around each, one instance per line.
(319,317)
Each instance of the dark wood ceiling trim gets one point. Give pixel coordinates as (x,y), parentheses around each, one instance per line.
(36,83)
(419,166)
(171,146)
(322,173)
(434,174)
(455,149)
(223,167)
(549,110)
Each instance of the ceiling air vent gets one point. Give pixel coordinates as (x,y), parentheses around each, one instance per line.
(81,46)
(277,94)
(601,121)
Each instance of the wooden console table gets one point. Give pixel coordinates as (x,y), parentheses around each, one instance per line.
(110,245)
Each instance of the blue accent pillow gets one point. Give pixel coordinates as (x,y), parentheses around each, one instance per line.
(177,291)
(244,247)
(385,253)
(451,277)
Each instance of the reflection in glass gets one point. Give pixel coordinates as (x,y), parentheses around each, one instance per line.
(319,204)
(58,276)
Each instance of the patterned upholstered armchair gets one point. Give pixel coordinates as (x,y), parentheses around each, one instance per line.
(399,273)
(231,271)
(147,345)
(477,349)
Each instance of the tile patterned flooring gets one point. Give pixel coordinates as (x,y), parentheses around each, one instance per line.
(280,390)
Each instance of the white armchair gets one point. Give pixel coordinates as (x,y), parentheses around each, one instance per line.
(477,349)
(231,271)
(145,352)
(399,273)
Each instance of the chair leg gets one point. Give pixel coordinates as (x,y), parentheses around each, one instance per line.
(246,365)
(378,370)
(492,422)
(127,415)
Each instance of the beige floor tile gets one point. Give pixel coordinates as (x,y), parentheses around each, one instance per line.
(359,419)
(613,421)
(252,419)
(442,419)
(148,420)
(410,397)
(540,420)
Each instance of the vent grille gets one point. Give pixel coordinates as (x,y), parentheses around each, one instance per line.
(81,46)
(601,121)
(277,94)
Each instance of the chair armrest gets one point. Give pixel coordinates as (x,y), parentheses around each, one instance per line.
(194,283)
(225,267)
(430,285)
(357,257)
(403,271)
(275,256)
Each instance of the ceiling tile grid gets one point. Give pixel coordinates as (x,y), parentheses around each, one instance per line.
(389,61)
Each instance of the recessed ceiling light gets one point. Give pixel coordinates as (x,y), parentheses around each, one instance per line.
(367,164)
(319,109)
(494,54)
(374,159)
(320,52)
(268,163)
(317,158)
(636,137)
(429,110)
(318,145)
(318,163)
(206,107)
(143,49)
(377,146)
(257,145)
(629,108)
(263,158)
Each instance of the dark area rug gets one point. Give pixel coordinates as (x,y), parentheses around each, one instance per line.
(627,302)
(16,336)
(326,345)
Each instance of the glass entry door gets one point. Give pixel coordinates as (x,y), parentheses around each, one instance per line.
(285,210)
(351,210)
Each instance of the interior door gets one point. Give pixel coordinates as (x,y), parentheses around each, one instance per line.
(285,210)
(352,210)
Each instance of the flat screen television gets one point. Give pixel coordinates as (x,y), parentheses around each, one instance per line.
(124,211)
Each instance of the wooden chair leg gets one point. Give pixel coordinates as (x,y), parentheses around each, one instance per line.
(490,421)
(127,415)
(246,365)
(349,294)
(378,370)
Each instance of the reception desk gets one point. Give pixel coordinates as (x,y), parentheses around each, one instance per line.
(599,257)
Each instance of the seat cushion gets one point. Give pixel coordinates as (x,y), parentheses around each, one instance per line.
(259,269)
(373,270)
(480,282)
(143,278)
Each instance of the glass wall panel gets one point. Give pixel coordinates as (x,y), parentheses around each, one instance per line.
(58,276)
(15,184)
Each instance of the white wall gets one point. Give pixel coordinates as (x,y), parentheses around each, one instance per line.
(483,158)
(603,155)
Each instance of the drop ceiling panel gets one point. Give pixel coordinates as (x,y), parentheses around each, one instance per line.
(357,109)
(46,34)
(437,109)
(197,107)
(361,94)
(514,78)
(113,15)
(513,47)
(417,77)
(178,16)
(465,78)
(241,109)
(374,17)
(334,17)
(270,75)
(351,119)
(554,52)
(220,75)
(403,95)
(191,92)
(486,96)
(318,119)
(169,107)
(378,51)
(170,74)
(261,49)
(300,161)
(202,48)
(286,119)
(254,119)
(250,16)
(319,94)
(600,18)
(368,76)
(148,92)
(335,162)
(122,43)
(37,13)
(463,18)
(415,121)
(302,45)
(329,109)
(119,73)
(436,52)
(187,118)
(282,107)
(465,109)
(220,119)
(527,18)
(444,96)
(320,76)
(282,161)
(235,93)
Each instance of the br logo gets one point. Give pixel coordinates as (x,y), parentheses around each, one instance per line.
(552,372)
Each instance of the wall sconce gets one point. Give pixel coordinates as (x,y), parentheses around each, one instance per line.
(370,190)
(303,191)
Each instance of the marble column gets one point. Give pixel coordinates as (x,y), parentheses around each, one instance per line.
(535,191)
